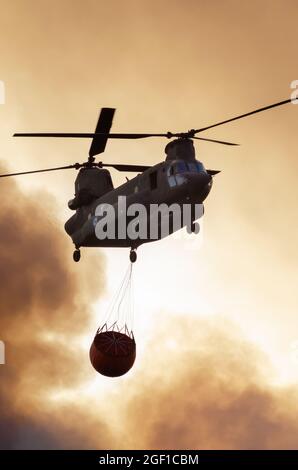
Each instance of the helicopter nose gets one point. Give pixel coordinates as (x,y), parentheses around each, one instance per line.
(200,184)
(205,177)
(200,179)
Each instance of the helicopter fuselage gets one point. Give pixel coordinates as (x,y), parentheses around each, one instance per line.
(169,182)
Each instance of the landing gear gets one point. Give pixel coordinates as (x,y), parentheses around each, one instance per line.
(132,256)
(77,255)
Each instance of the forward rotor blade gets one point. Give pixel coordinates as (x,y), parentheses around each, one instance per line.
(75,166)
(88,135)
(123,167)
(103,127)
(103,136)
(216,141)
(244,115)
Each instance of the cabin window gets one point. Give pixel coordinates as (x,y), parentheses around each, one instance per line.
(153,180)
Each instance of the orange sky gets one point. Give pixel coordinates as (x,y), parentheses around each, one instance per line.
(222,318)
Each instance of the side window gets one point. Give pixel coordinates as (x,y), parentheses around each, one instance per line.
(153,180)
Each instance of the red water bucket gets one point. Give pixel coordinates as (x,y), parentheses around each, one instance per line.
(113,353)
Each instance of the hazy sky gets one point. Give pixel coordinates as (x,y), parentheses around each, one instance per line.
(220,316)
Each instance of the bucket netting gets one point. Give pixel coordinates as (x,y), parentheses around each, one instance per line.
(120,314)
(113,350)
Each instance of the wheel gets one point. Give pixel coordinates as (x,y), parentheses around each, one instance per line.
(76,255)
(133,256)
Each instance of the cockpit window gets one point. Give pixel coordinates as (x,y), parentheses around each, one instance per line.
(192,166)
(182,167)
(175,172)
(195,166)
(171,176)
(171,170)
(200,166)
(176,169)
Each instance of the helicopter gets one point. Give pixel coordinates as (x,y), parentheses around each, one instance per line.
(180,178)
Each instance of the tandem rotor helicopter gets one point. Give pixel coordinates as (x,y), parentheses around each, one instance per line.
(180,178)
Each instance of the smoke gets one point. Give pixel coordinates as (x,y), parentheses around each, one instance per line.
(205,387)
(45,307)
(199,383)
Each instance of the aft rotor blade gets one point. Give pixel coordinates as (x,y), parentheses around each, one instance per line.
(75,166)
(103,127)
(216,141)
(244,115)
(123,167)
